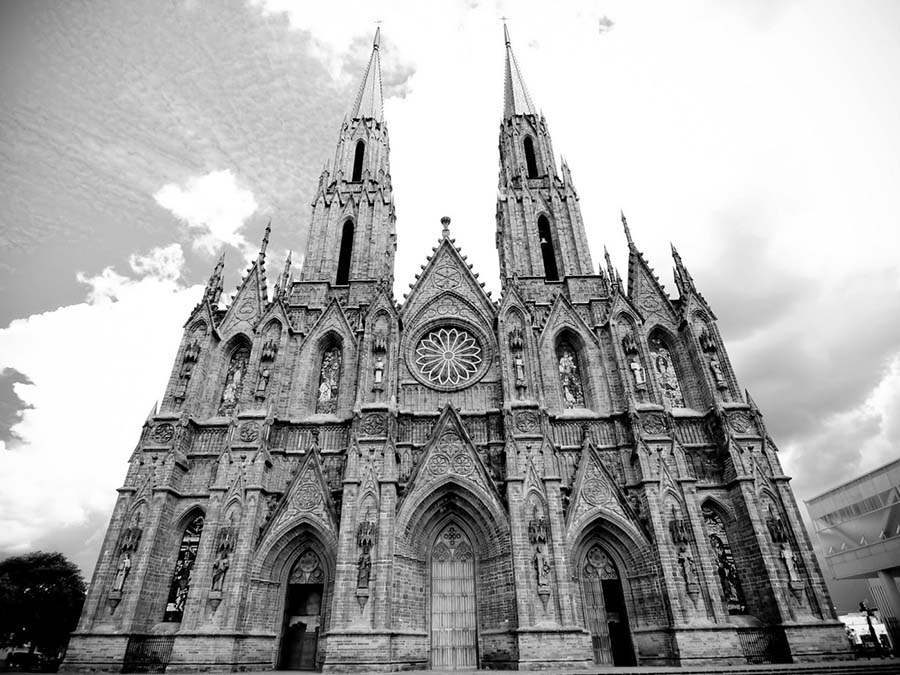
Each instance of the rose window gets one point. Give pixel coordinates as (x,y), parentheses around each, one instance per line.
(448,356)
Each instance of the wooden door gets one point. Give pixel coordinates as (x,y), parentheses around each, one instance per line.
(453,633)
(301,630)
(604,610)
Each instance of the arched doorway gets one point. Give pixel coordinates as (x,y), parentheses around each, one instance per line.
(453,621)
(604,609)
(303,611)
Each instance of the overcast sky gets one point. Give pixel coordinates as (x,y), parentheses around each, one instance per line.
(139,140)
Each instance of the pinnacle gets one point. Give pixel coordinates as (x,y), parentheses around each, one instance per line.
(369,100)
(516,100)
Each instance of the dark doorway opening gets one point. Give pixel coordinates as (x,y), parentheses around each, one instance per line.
(604,610)
(302,621)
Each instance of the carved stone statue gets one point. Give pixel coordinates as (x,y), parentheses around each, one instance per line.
(363,569)
(790,563)
(122,572)
(263,382)
(542,568)
(220,569)
(379,370)
(519,365)
(640,378)
(719,376)
(688,568)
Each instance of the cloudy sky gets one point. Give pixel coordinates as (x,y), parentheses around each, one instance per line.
(139,140)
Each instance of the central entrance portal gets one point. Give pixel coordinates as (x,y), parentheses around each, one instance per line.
(453,631)
(302,614)
(604,610)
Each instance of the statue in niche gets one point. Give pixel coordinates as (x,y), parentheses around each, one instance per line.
(364,569)
(791,564)
(542,569)
(775,525)
(262,383)
(628,343)
(569,376)
(718,375)
(122,572)
(688,569)
(678,528)
(640,378)
(705,339)
(237,370)
(184,377)
(665,372)
(329,381)
(378,373)
(220,569)
(519,366)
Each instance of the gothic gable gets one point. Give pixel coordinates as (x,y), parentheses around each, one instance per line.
(446,271)
(248,304)
(645,291)
(563,315)
(450,456)
(333,319)
(307,499)
(595,491)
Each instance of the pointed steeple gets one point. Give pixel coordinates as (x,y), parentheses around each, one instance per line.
(265,242)
(615,281)
(214,286)
(369,99)
(516,100)
(627,229)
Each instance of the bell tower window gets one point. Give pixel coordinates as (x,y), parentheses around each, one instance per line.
(346,252)
(358,161)
(530,159)
(551,272)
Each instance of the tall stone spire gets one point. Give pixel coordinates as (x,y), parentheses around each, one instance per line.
(369,99)
(352,235)
(516,100)
(540,233)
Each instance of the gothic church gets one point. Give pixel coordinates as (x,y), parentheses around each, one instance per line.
(568,476)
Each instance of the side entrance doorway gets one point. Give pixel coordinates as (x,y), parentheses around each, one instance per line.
(302,614)
(453,622)
(604,610)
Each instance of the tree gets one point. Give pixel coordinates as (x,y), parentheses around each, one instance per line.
(41,595)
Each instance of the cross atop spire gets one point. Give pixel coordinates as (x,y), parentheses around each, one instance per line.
(369,100)
(516,100)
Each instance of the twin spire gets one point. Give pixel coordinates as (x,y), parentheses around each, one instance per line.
(516,100)
(369,103)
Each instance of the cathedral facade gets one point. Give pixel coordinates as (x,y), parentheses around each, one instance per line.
(568,476)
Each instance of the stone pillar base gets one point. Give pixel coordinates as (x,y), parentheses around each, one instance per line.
(95,652)
(819,641)
(551,648)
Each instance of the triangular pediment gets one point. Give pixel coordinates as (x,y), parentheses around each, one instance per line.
(307,498)
(563,315)
(450,455)
(249,302)
(595,489)
(446,272)
(332,319)
(644,289)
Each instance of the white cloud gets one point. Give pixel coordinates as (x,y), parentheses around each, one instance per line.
(214,205)
(95,368)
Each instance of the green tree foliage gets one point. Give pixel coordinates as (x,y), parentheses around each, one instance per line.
(41,595)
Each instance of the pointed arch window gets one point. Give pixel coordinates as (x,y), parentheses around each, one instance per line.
(530,158)
(346,253)
(181,577)
(548,254)
(329,380)
(569,375)
(666,375)
(358,157)
(234,380)
(730,584)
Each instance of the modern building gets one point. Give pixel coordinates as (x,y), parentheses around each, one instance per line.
(858,524)
(566,476)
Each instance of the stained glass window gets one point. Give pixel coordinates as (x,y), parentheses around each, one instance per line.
(730,585)
(234,379)
(569,376)
(664,366)
(329,381)
(181,578)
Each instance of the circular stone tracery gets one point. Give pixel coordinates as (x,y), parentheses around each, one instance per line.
(448,356)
